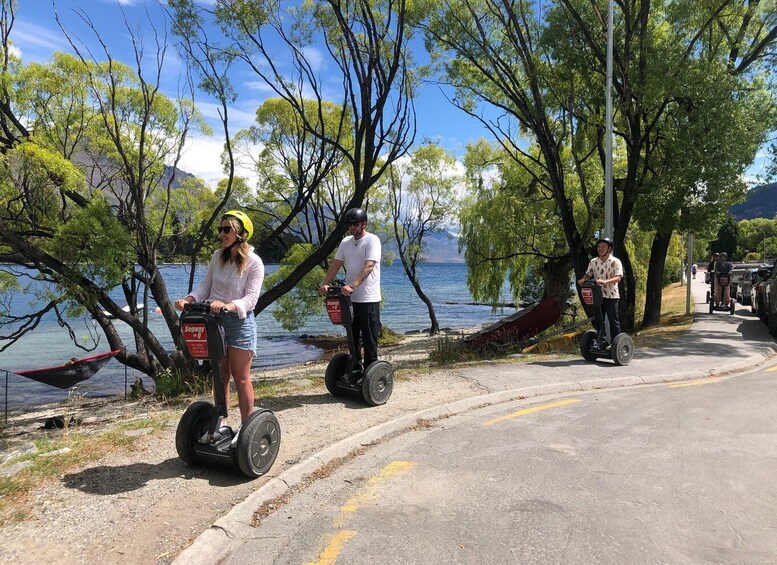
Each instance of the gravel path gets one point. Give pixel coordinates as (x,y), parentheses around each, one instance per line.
(145,505)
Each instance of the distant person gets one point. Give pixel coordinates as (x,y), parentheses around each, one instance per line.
(234,281)
(607,272)
(360,253)
(693,270)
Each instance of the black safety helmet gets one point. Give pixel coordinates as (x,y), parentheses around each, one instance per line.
(355,215)
(606,240)
(716,254)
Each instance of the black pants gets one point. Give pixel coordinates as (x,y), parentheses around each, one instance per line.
(366,329)
(610,308)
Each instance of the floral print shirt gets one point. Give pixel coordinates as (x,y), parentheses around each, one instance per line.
(607,269)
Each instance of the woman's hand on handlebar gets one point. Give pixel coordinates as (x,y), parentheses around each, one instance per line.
(323,289)
(218,307)
(181,303)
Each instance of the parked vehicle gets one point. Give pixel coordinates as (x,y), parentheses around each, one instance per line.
(770,302)
(740,270)
(744,286)
(757,296)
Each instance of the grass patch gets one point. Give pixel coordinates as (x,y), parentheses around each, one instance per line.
(79,446)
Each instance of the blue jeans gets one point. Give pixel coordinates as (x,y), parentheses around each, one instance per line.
(240,334)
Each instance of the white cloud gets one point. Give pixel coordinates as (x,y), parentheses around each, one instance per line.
(314,57)
(15,51)
(238,119)
(202,158)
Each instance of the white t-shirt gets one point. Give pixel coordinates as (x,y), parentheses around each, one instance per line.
(353,253)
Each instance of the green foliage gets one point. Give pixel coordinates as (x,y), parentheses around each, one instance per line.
(95,243)
(757,239)
(303,301)
(174,384)
(728,238)
(506,225)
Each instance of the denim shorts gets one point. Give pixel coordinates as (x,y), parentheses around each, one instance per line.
(240,334)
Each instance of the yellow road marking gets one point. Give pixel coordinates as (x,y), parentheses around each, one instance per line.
(695,383)
(369,492)
(332,551)
(531,410)
(772,368)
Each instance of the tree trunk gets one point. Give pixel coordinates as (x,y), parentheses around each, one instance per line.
(434,328)
(655,279)
(555,275)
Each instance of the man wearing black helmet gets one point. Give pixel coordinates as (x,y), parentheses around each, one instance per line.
(360,254)
(607,271)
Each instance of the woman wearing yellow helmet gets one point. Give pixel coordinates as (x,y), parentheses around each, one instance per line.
(233,282)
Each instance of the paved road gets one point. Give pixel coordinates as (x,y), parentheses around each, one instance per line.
(717,344)
(671,473)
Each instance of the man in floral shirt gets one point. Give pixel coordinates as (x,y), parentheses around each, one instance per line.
(607,272)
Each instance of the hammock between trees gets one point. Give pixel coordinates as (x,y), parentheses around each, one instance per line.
(71,373)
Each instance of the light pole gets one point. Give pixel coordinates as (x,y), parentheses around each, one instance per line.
(763,233)
(608,192)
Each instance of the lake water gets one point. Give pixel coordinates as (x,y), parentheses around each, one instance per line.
(49,345)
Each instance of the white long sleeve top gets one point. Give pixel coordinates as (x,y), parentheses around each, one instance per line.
(226,283)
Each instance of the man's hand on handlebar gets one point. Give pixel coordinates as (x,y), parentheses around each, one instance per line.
(181,303)
(323,289)
(347,290)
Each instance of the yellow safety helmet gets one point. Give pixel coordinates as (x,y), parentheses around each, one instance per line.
(248,225)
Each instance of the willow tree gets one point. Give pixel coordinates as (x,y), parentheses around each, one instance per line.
(85,152)
(370,76)
(507,224)
(537,81)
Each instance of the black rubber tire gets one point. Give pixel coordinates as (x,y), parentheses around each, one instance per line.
(732,306)
(191,427)
(622,349)
(586,343)
(712,307)
(708,297)
(258,443)
(335,371)
(378,383)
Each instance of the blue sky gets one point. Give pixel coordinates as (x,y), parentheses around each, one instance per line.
(36,36)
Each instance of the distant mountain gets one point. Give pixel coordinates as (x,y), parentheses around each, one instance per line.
(761,203)
(441,247)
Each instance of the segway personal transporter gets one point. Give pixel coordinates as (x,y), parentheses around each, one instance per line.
(593,344)
(201,437)
(344,376)
(724,281)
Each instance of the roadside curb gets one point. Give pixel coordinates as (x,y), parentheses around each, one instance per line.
(226,533)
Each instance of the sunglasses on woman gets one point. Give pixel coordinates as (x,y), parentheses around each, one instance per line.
(225,229)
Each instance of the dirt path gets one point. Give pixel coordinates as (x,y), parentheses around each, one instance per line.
(145,505)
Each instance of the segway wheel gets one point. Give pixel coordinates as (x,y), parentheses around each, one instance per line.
(378,383)
(334,371)
(708,297)
(586,343)
(258,443)
(622,349)
(192,426)
(732,303)
(712,307)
